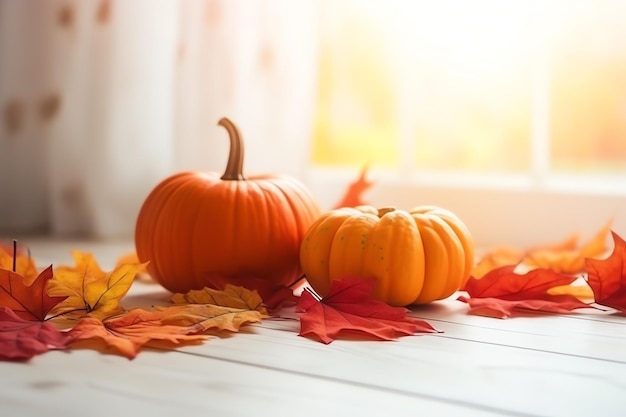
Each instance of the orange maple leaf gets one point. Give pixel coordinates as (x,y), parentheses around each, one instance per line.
(29,300)
(569,259)
(564,257)
(129,332)
(496,258)
(90,290)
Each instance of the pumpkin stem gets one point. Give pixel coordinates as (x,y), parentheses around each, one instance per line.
(234,168)
(384,210)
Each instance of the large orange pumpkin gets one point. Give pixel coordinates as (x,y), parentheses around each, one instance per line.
(414,256)
(194,226)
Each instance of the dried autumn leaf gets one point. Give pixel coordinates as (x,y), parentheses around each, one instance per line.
(127,333)
(569,260)
(607,277)
(353,195)
(30,301)
(496,258)
(230,296)
(273,296)
(203,317)
(21,339)
(565,257)
(89,289)
(131,258)
(502,290)
(349,307)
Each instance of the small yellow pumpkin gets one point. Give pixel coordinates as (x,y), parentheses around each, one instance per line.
(414,257)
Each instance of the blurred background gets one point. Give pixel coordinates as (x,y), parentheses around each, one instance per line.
(510,113)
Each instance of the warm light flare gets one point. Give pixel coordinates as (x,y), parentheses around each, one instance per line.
(458,85)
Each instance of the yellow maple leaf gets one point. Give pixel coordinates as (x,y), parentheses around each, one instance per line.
(130,258)
(142,273)
(230,296)
(90,290)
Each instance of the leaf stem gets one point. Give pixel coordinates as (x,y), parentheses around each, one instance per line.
(14,255)
(65,313)
(313,293)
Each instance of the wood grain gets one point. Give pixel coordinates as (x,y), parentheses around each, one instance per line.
(531,365)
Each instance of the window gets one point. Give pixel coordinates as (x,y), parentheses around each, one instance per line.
(511,113)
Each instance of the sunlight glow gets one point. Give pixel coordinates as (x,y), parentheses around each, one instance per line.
(453,83)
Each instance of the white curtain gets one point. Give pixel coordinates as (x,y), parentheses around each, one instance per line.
(102,99)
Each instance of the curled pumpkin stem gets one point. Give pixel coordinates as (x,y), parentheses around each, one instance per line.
(234,167)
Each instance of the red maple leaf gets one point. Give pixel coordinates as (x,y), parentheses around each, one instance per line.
(607,277)
(30,302)
(349,307)
(273,296)
(22,339)
(499,308)
(353,195)
(502,290)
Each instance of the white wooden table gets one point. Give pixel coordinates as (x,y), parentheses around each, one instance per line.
(533,365)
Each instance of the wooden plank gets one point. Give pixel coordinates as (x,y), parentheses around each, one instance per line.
(477,375)
(566,335)
(85,383)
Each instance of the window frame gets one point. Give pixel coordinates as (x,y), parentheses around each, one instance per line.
(507,210)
